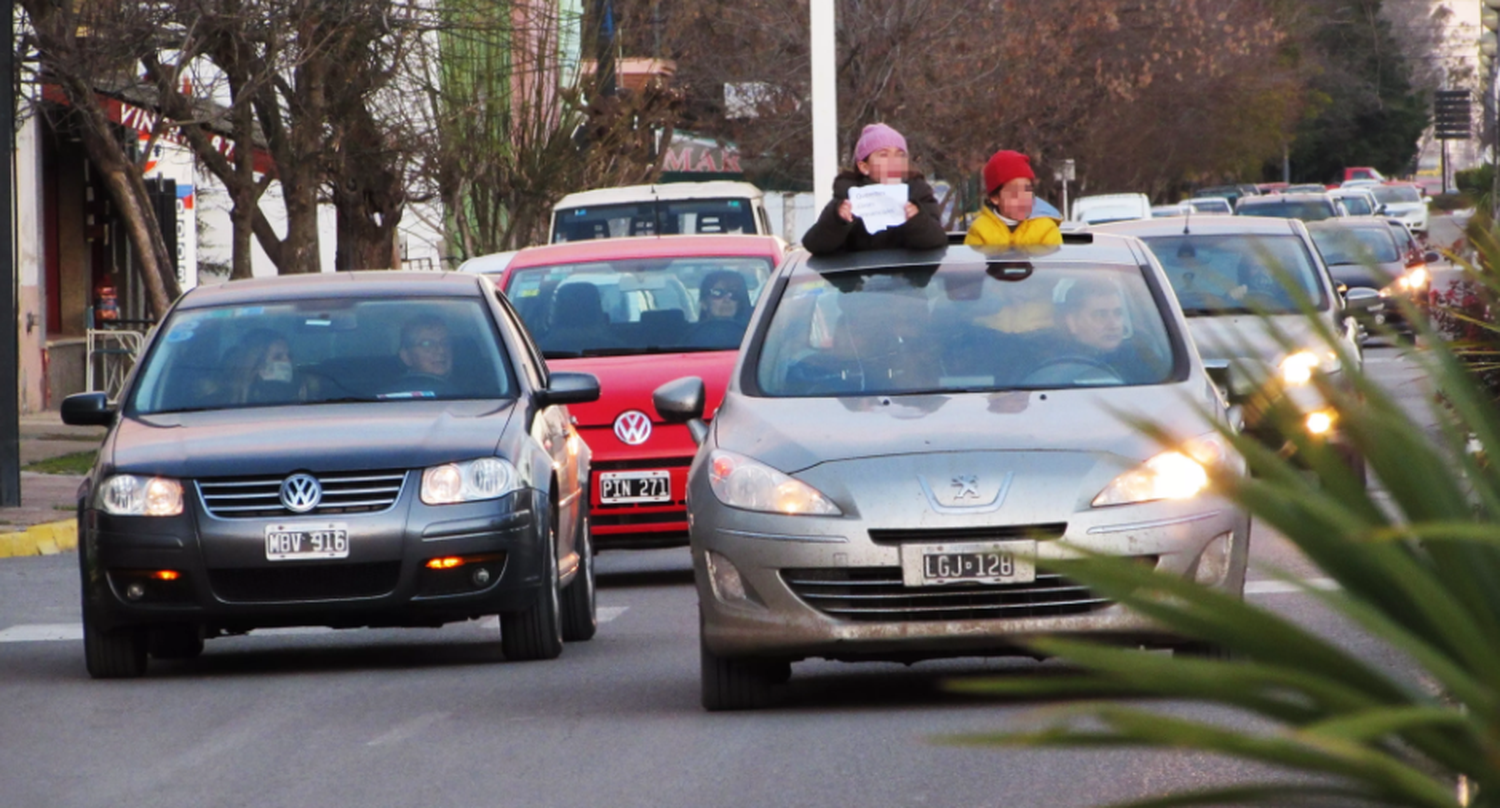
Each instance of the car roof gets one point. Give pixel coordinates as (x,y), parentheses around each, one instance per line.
(1347,222)
(1277,199)
(1091,248)
(491,263)
(368,284)
(666,190)
(1203,225)
(684,246)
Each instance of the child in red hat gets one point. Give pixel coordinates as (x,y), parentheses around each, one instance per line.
(1006,220)
(879,158)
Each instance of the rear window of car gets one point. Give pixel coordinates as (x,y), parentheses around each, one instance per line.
(321,351)
(963,327)
(1356,245)
(1357,205)
(1396,193)
(638,305)
(1239,273)
(654,218)
(1307,211)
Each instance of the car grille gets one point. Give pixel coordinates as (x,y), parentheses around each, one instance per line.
(1042,532)
(310,582)
(260,497)
(876,594)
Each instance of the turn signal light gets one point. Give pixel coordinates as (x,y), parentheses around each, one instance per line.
(166,575)
(445,563)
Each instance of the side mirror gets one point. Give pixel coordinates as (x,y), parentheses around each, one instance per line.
(570,388)
(1220,374)
(1432,256)
(87,409)
(681,401)
(1361,298)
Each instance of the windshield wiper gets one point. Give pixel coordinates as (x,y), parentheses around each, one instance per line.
(555,354)
(340,400)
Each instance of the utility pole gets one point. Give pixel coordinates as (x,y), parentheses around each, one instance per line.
(10,354)
(825,109)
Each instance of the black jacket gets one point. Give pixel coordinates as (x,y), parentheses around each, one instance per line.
(832,234)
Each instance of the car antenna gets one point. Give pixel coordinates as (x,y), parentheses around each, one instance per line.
(1187,218)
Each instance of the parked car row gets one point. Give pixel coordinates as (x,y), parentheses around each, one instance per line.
(870,456)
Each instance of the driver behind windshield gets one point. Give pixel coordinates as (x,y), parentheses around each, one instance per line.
(1095,330)
(426,351)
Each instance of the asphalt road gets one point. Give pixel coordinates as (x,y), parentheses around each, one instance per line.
(436,717)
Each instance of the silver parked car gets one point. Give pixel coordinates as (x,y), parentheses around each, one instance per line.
(908,438)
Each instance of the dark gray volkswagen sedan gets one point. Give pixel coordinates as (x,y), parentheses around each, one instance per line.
(910,437)
(359,449)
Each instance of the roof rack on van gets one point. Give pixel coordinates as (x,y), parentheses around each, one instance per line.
(1068,237)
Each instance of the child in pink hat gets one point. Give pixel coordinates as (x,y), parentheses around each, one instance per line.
(1006,219)
(880,157)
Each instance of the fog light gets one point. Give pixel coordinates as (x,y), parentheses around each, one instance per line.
(166,575)
(482,576)
(135,590)
(727,583)
(1213,562)
(1320,422)
(445,563)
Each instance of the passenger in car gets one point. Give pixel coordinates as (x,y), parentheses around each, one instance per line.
(259,370)
(723,311)
(1006,219)
(880,157)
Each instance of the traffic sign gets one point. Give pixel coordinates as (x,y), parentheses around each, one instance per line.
(1451,115)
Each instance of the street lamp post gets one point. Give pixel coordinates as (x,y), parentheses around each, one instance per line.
(1489,39)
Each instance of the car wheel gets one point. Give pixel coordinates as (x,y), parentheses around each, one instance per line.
(580,615)
(537,632)
(740,684)
(175,642)
(116,654)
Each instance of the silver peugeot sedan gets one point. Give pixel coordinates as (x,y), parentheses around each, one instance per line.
(909,437)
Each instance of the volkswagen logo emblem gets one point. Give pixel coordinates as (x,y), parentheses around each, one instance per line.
(301,493)
(633,427)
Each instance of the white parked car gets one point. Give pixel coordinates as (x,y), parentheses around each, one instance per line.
(1404,202)
(1102,208)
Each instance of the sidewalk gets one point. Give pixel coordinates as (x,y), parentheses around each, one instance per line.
(44,521)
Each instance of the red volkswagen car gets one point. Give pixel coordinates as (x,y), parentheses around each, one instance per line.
(638,312)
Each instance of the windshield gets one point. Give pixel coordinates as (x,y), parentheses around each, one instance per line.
(639,305)
(1395,193)
(654,217)
(1362,245)
(1241,273)
(320,351)
(1306,211)
(963,326)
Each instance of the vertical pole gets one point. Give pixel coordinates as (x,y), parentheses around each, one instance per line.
(825,113)
(10,394)
(1444,141)
(1286,163)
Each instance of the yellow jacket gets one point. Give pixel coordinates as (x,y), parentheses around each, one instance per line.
(989,230)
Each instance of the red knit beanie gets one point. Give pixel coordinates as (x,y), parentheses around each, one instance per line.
(1005,166)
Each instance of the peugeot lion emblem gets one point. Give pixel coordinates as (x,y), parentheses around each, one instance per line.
(965,496)
(967,485)
(633,427)
(301,493)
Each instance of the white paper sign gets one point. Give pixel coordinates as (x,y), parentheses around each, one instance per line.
(879,206)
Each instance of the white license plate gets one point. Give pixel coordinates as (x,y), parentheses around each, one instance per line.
(299,540)
(629,487)
(1009,562)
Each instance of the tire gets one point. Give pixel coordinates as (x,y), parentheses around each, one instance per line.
(116,654)
(740,684)
(580,609)
(537,632)
(175,642)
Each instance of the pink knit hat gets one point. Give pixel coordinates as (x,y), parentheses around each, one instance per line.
(875,137)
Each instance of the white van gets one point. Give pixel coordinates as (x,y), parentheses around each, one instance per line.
(674,208)
(1103,208)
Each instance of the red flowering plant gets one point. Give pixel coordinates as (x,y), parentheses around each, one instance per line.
(1464,312)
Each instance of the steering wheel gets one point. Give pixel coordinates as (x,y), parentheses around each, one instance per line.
(1069,368)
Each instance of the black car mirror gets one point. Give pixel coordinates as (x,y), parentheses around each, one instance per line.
(1360,298)
(571,388)
(1432,256)
(681,401)
(88,409)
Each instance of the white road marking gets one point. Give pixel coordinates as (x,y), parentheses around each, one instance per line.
(1287,587)
(73,632)
(405,730)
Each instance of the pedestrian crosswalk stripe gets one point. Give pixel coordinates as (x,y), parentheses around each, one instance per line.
(1286,587)
(72,632)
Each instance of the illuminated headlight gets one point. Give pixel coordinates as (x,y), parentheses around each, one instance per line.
(485,478)
(740,482)
(1320,422)
(1178,474)
(1414,280)
(132,495)
(1297,369)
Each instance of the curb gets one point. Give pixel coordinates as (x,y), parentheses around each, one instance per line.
(47,539)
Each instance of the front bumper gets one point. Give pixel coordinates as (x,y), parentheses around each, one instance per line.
(831,591)
(224,580)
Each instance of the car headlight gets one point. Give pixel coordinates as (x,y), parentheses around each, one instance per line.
(485,478)
(1415,280)
(740,482)
(133,495)
(1178,474)
(1297,368)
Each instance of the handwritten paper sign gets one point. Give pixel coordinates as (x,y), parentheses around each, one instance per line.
(879,206)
